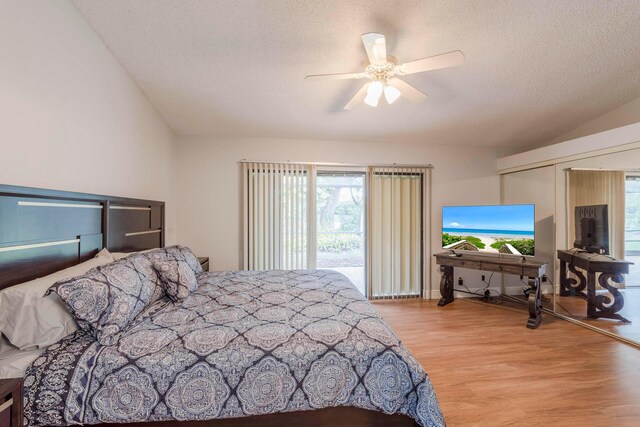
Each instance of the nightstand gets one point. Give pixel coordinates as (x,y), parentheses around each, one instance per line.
(11,402)
(204,262)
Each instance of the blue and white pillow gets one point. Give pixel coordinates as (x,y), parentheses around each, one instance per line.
(106,299)
(177,274)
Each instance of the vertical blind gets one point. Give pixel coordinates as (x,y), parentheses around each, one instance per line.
(276,216)
(397,212)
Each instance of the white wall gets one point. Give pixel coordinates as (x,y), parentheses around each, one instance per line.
(72,118)
(208,194)
(624,115)
(610,141)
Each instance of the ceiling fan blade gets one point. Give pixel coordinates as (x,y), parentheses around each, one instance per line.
(450,59)
(335,76)
(358,97)
(375,45)
(408,91)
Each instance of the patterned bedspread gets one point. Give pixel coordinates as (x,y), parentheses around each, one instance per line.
(244,343)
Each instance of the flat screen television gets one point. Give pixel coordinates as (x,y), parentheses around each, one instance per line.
(592,228)
(506,229)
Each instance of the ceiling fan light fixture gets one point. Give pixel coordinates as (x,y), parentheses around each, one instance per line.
(372,100)
(374,92)
(384,71)
(391,94)
(375,88)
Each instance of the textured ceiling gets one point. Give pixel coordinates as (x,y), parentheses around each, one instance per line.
(534,69)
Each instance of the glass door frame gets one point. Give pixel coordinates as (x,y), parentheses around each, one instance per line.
(354,170)
(628,174)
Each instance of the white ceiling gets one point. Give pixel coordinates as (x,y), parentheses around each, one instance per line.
(534,69)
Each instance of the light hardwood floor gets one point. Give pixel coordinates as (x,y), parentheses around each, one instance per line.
(577,308)
(489,370)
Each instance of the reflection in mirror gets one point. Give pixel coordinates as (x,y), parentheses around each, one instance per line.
(599,266)
(632,228)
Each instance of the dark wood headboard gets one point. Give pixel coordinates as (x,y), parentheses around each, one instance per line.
(43,231)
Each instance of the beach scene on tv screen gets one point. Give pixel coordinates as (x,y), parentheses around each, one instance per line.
(506,229)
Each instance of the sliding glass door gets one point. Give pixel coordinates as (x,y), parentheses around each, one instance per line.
(340,224)
(367,224)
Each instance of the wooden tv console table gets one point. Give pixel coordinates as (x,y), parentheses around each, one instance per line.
(607,268)
(533,270)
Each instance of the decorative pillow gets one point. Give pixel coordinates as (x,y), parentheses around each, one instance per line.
(31,320)
(158,253)
(184,253)
(108,298)
(178,277)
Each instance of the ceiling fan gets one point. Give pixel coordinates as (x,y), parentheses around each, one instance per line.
(383,71)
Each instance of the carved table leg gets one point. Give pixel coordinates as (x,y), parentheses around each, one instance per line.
(535,303)
(446,285)
(568,285)
(602,305)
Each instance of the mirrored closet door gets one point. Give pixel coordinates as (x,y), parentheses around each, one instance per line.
(598,280)
(588,230)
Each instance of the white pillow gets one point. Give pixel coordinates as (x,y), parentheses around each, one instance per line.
(29,320)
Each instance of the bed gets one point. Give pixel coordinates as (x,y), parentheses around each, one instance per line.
(243,348)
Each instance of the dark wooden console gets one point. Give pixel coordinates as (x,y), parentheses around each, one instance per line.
(533,270)
(607,268)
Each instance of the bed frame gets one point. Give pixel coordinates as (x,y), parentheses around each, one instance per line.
(43,231)
(327,417)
